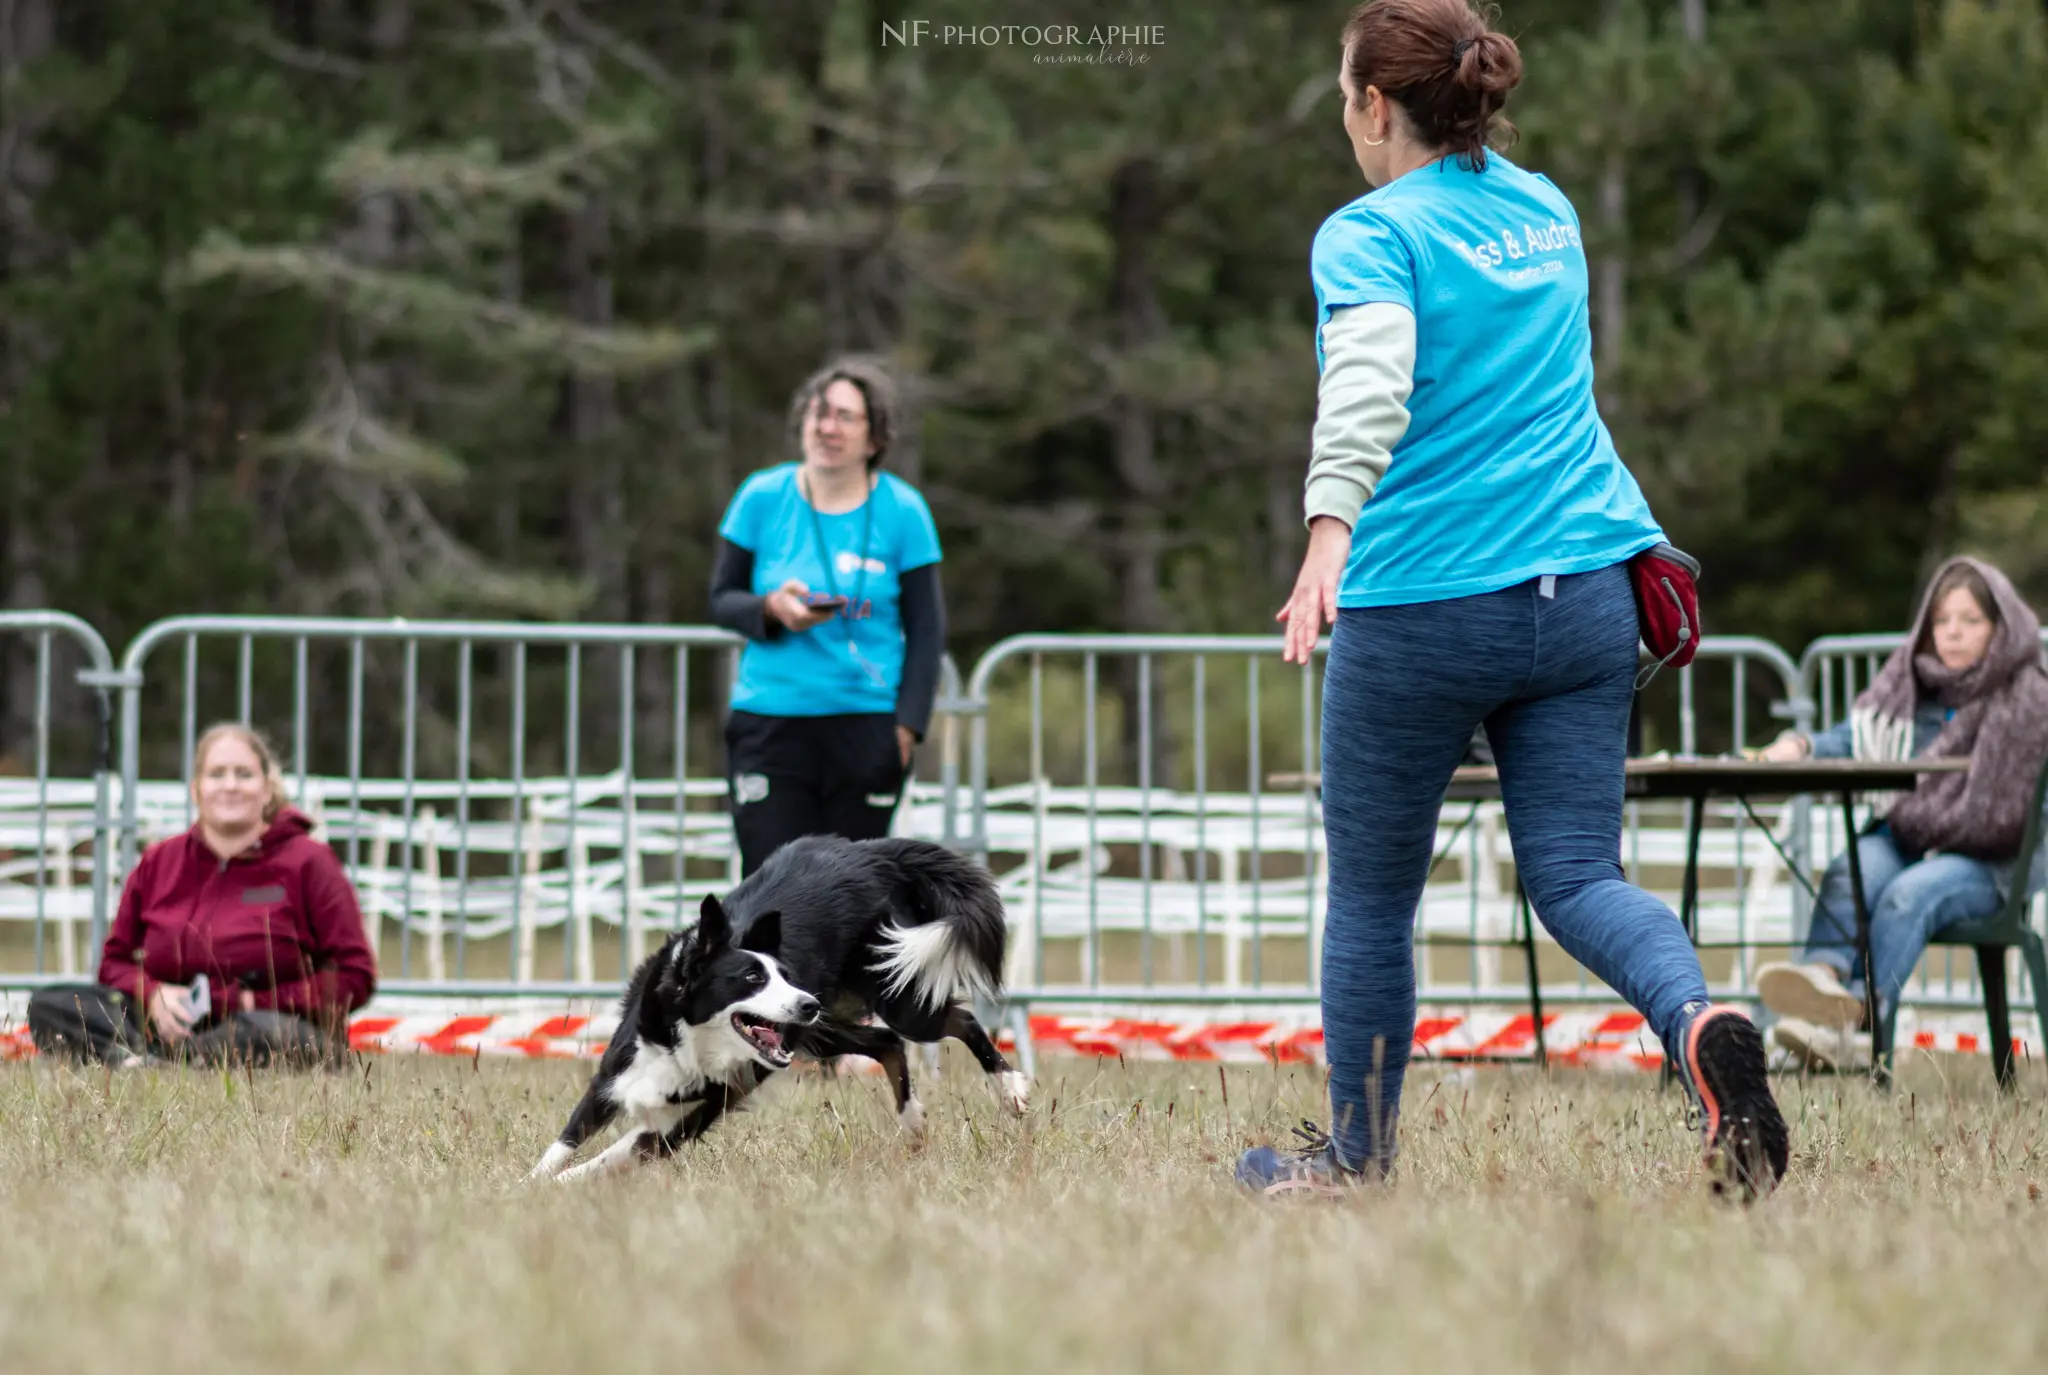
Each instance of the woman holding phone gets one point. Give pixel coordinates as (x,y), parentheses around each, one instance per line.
(830,568)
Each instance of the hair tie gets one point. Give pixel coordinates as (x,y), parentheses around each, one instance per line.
(1458,50)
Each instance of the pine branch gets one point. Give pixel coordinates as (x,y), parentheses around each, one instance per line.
(563,74)
(313,60)
(369,446)
(793,227)
(429,309)
(451,574)
(628,54)
(476,172)
(411,565)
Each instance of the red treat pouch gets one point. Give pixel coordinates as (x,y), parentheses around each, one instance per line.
(1666,582)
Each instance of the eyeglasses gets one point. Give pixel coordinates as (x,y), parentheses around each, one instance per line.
(850,419)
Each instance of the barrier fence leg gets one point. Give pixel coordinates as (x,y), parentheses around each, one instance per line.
(1017,1016)
(1535,982)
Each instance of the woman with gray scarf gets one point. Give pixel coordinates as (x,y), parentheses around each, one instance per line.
(1968,684)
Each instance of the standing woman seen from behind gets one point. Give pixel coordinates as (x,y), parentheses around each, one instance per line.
(830,568)
(1471,529)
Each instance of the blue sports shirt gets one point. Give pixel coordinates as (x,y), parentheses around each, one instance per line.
(1506,471)
(852,663)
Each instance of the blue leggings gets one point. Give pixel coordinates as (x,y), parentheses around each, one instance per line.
(1911,897)
(1552,678)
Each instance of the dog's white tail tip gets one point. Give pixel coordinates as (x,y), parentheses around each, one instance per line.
(931,961)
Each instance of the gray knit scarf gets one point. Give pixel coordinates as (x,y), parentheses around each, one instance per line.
(2000,725)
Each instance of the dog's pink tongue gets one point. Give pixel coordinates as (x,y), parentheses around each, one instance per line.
(768,1037)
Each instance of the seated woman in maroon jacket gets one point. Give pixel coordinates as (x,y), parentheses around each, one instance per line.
(239,940)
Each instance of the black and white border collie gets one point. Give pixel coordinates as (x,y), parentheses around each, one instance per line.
(827,935)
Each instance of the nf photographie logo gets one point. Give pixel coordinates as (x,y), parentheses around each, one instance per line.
(1121,45)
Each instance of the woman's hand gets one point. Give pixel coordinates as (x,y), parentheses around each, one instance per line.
(786,604)
(906,741)
(170,1011)
(1314,603)
(1788,748)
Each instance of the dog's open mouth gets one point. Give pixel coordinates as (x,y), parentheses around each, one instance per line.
(764,1036)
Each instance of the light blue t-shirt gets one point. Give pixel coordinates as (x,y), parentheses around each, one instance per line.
(1506,471)
(853,662)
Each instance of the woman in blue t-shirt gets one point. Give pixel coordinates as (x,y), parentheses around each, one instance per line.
(830,568)
(1469,526)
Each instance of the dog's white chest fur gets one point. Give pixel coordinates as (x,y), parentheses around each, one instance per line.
(660,1086)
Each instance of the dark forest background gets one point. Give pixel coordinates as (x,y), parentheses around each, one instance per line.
(484,307)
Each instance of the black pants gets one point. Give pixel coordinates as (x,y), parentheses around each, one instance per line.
(90,1022)
(796,776)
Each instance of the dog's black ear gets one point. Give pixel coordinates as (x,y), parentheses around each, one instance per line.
(764,937)
(674,961)
(714,932)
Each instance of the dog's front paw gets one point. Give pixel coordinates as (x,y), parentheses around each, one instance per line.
(551,1164)
(1013,1091)
(911,1118)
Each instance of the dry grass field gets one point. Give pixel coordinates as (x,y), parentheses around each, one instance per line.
(178,1221)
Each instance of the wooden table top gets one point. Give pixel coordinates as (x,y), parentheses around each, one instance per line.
(1700,776)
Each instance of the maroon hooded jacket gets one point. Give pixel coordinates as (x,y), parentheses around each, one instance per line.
(279,919)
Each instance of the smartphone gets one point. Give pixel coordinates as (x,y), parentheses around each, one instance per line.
(823,601)
(201,1000)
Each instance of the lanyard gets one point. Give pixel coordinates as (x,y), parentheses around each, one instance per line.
(867,525)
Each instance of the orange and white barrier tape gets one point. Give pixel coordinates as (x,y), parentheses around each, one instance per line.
(1587,1037)
(1575,1037)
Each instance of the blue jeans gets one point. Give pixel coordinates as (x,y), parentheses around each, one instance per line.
(1552,679)
(1910,899)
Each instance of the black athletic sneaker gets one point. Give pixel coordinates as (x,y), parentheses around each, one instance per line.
(1747,1141)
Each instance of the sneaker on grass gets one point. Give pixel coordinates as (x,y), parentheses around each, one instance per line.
(1312,1167)
(1810,992)
(1747,1142)
(1824,1047)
